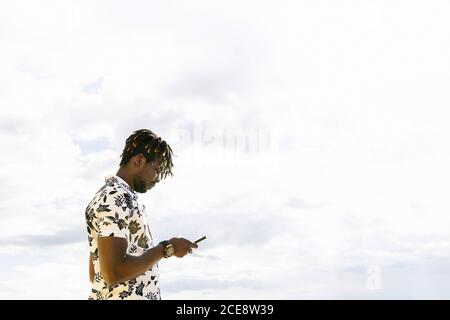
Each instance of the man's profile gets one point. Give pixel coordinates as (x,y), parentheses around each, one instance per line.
(123,261)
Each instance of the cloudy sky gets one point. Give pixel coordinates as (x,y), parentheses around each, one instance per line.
(311,142)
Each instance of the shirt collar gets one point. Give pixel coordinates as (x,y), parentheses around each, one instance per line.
(120,181)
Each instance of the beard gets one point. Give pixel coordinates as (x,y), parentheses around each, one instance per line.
(139,185)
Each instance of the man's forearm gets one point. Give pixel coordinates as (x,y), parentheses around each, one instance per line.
(91,268)
(133,266)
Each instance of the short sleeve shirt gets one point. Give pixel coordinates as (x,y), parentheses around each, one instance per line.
(115,211)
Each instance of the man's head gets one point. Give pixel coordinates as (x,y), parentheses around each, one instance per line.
(147,159)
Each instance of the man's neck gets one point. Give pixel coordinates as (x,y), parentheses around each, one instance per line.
(123,175)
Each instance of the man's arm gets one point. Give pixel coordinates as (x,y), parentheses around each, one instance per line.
(117,266)
(91,268)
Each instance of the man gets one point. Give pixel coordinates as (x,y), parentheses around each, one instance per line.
(123,262)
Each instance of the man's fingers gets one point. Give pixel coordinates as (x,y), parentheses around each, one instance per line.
(193,245)
(190,244)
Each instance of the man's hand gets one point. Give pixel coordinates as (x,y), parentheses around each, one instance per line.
(182,246)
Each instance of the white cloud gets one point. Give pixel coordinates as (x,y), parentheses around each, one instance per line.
(311,142)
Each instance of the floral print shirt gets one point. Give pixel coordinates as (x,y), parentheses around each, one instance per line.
(115,212)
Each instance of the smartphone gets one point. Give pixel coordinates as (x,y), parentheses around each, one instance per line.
(201,239)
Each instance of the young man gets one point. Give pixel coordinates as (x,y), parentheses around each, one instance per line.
(123,262)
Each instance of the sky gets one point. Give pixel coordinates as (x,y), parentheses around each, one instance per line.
(311,143)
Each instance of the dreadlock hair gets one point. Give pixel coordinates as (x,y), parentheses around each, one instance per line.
(152,147)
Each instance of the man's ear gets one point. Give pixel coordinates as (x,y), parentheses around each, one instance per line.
(139,160)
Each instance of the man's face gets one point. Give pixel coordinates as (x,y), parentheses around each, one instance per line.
(147,177)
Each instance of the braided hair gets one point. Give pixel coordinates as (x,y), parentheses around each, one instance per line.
(152,147)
